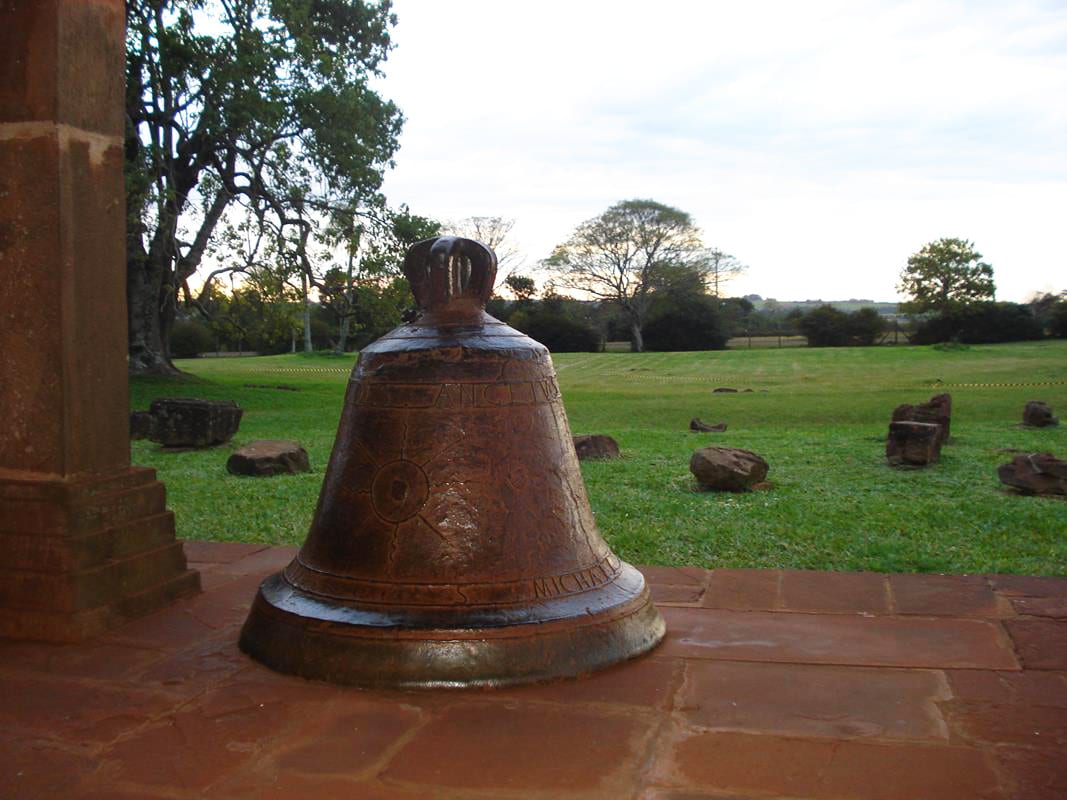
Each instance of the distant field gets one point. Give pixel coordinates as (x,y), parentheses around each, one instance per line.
(819,416)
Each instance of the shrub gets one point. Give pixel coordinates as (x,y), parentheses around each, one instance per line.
(693,327)
(980,323)
(865,326)
(1057,323)
(189,338)
(826,326)
(558,333)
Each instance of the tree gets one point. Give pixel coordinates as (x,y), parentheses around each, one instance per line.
(826,326)
(242,101)
(522,287)
(374,253)
(720,268)
(496,233)
(624,254)
(945,276)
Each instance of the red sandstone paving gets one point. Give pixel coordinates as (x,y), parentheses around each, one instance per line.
(32,768)
(1041,643)
(948,595)
(676,594)
(287,786)
(104,661)
(738,703)
(693,576)
(823,769)
(1028,586)
(743,589)
(200,743)
(526,748)
(644,682)
(1052,607)
(847,592)
(836,639)
(219,552)
(1033,774)
(261,563)
(837,702)
(1009,688)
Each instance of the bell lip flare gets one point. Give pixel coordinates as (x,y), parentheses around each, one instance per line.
(298,634)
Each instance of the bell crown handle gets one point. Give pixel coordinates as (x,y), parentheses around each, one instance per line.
(448,273)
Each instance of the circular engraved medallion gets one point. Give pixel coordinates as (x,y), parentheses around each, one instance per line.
(399,490)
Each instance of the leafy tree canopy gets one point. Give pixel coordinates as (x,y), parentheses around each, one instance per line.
(623,255)
(946,275)
(260,102)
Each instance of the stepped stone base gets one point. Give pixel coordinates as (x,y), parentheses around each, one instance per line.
(83,556)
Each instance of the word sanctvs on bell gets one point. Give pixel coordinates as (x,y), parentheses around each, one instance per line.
(453,544)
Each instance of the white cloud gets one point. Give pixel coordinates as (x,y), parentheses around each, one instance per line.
(821,143)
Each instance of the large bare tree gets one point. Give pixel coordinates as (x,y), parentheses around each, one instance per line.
(496,232)
(719,269)
(626,254)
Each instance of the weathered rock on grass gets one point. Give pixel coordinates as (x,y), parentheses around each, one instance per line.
(1035,473)
(142,424)
(1038,414)
(728,469)
(937,410)
(188,422)
(696,424)
(913,444)
(267,457)
(595,446)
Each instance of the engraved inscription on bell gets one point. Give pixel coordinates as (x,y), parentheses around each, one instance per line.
(453,542)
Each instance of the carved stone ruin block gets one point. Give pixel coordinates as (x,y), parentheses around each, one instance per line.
(1035,473)
(269,457)
(595,447)
(1038,414)
(913,444)
(728,469)
(937,410)
(191,422)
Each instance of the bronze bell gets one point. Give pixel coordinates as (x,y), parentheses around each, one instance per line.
(453,544)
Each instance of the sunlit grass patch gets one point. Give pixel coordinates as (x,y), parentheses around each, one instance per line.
(818,416)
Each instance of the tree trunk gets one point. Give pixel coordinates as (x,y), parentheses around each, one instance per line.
(307,315)
(346,319)
(637,341)
(147,351)
(342,338)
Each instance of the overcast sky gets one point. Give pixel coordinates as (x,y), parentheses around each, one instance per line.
(821,143)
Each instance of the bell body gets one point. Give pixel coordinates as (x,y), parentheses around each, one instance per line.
(453,543)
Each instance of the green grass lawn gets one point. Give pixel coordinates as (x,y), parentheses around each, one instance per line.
(818,416)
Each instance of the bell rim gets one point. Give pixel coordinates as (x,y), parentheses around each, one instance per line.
(452,658)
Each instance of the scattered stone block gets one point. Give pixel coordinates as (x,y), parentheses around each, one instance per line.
(724,390)
(699,425)
(913,444)
(1038,414)
(937,410)
(728,469)
(142,424)
(267,457)
(595,446)
(1035,473)
(189,422)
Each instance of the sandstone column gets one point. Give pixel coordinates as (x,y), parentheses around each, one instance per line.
(85,539)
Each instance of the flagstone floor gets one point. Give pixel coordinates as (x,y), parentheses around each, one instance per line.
(770,684)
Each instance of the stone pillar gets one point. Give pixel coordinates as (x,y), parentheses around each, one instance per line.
(85,539)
